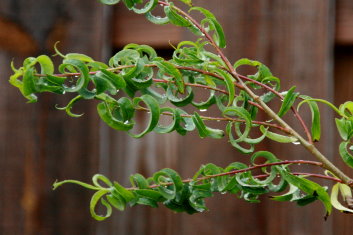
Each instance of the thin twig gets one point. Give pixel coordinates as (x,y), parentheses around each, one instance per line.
(306,143)
(250,169)
(222,119)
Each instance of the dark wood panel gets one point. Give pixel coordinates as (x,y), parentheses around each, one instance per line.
(40,144)
(344,22)
(133,28)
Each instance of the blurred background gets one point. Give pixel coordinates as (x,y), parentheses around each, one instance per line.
(308,43)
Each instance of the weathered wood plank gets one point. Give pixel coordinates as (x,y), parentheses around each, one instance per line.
(39,143)
(133,28)
(344,22)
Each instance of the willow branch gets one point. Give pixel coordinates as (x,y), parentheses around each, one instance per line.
(306,143)
(251,169)
(206,118)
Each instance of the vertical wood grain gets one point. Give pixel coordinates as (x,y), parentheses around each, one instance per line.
(344,22)
(40,144)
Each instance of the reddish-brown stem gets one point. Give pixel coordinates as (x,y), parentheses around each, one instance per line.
(223,119)
(253,168)
(160,80)
(194,85)
(209,88)
(261,166)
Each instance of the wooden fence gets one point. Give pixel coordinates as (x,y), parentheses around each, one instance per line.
(301,41)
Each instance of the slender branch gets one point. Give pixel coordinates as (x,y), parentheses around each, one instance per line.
(234,73)
(307,144)
(209,88)
(195,85)
(250,169)
(165,81)
(307,174)
(222,119)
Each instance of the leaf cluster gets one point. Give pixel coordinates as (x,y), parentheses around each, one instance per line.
(136,79)
(167,187)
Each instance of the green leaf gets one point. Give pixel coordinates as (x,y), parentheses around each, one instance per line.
(156,19)
(105,112)
(87,186)
(213,25)
(168,176)
(288,101)
(311,188)
(345,128)
(147,202)
(197,198)
(124,57)
(205,131)
(99,177)
(108,81)
(241,113)
(206,104)
(186,123)
(347,108)
(267,97)
(229,81)
(77,56)
(174,17)
(109,2)
(116,79)
(153,106)
(271,158)
(172,126)
(234,142)
(117,201)
(315,118)
(346,156)
(334,199)
(187,2)
(246,61)
(94,201)
(180,102)
(69,106)
(147,8)
(150,194)
(126,194)
(129,3)
(333,107)
(29,85)
(80,67)
(277,137)
(287,196)
(144,50)
(168,68)
(138,180)
(46,64)
(218,36)
(246,139)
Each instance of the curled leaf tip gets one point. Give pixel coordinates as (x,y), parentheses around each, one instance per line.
(56,184)
(57,52)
